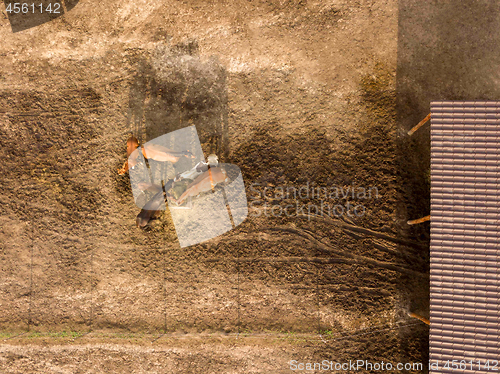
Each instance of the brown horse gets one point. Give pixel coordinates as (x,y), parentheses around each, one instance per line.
(150,151)
(204,183)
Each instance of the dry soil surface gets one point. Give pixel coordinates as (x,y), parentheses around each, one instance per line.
(296,93)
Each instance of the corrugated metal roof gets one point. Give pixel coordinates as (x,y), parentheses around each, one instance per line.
(465,235)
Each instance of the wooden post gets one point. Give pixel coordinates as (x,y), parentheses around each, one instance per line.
(423,319)
(419,220)
(419,125)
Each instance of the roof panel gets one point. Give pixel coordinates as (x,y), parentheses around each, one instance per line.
(465,234)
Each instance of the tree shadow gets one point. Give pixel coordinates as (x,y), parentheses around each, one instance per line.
(174,88)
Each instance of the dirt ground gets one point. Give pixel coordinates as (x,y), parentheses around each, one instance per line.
(296,93)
